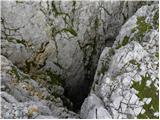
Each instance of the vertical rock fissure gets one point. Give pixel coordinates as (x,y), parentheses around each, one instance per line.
(90,65)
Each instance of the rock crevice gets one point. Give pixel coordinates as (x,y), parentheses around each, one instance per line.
(55,47)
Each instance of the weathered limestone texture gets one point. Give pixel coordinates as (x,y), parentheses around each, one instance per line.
(126,80)
(52,52)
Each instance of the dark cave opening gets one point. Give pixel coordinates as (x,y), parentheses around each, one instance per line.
(77,94)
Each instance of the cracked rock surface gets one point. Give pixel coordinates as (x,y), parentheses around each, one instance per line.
(23,97)
(50,57)
(126,80)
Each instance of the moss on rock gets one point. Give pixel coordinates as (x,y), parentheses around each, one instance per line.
(55,79)
(147,92)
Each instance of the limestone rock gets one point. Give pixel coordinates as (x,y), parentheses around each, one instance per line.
(63,37)
(93,109)
(23,97)
(50,50)
(126,79)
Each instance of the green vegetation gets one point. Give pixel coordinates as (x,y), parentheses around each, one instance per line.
(19,1)
(15,72)
(66,17)
(143,27)
(23,42)
(125,41)
(157,54)
(156,19)
(55,79)
(118,46)
(58,12)
(134,62)
(28,66)
(70,30)
(55,10)
(147,92)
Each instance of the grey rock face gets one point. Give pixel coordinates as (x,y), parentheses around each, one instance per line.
(63,37)
(23,97)
(51,49)
(126,79)
(93,108)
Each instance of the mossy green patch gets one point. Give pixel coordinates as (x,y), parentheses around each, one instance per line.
(118,46)
(125,40)
(19,41)
(147,92)
(70,30)
(19,1)
(57,12)
(143,27)
(157,54)
(15,72)
(55,79)
(156,19)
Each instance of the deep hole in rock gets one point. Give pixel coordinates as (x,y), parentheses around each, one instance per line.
(79,92)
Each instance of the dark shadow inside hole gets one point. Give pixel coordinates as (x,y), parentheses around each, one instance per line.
(79,92)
